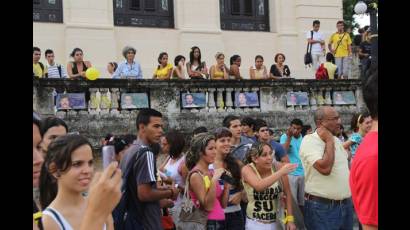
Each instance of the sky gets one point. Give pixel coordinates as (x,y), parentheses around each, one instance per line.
(363,20)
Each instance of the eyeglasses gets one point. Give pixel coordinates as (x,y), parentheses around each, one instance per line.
(264,130)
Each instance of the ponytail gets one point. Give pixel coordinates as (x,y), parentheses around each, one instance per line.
(48,187)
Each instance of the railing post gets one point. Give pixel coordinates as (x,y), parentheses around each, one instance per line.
(93,102)
(211,100)
(229,102)
(194,110)
(105,100)
(292,107)
(312,96)
(328,100)
(220,100)
(204,91)
(114,100)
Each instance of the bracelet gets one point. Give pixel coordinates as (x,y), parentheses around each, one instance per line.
(288,219)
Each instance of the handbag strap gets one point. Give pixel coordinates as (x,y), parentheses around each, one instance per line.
(186,190)
(340,41)
(307,47)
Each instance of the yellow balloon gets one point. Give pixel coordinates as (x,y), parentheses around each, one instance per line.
(92,74)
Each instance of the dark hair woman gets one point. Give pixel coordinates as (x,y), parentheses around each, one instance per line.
(77,68)
(195,68)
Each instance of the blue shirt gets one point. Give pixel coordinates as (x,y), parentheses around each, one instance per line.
(279,150)
(356,138)
(239,152)
(253,138)
(126,70)
(293,153)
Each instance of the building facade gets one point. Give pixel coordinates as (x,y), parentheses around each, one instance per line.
(245,27)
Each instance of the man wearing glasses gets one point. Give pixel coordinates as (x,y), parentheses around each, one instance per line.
(328,203)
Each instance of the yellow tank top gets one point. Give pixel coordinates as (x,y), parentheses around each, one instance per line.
(162,72)
(218,74)
(331,69)
(262,205)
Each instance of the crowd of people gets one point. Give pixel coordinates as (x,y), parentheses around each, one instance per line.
(336,61)
(236,176)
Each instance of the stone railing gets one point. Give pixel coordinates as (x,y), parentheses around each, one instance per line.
(104,114)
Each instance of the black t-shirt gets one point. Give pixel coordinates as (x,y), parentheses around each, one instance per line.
(145,173)
(276,72)
(366,47)
(357,39)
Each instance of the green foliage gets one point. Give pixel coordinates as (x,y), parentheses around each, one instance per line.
(348,12)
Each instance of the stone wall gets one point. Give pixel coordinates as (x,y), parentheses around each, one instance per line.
(164,96)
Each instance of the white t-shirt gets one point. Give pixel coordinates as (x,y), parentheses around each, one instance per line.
(318,36)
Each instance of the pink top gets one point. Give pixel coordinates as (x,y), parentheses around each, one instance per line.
(217,212)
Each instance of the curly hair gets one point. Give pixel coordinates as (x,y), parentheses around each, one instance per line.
(197,148)
(126,49)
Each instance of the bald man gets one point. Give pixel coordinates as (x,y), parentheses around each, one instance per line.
(328,202)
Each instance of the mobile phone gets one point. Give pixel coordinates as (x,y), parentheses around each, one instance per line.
(108,154)
(227,179)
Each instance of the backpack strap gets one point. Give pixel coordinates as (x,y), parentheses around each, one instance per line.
(41,66)
(128,185)
(42,69)
(308,44)
(131,165)
(59,71)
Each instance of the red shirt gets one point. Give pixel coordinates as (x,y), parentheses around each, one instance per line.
(364,180)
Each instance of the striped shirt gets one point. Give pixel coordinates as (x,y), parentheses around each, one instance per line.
(54,73)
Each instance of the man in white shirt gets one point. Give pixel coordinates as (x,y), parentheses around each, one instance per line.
(328,203)
(317,41)
(54,70)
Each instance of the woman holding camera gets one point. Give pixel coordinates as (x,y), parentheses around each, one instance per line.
(204,188)
(233,214)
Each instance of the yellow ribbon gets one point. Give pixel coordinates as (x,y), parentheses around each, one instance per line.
(288,219)
(37,216)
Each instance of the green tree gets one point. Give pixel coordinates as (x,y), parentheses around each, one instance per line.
(348,12)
